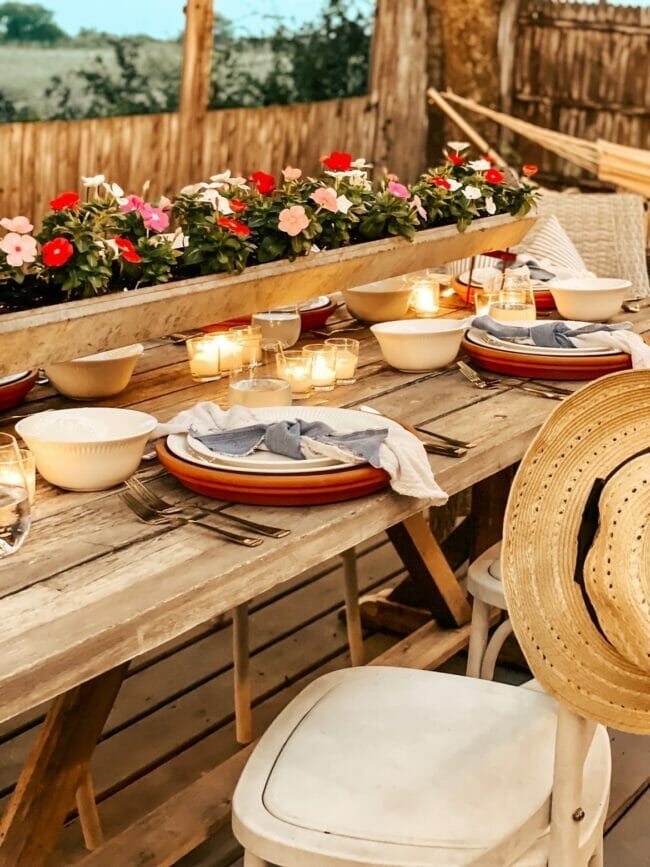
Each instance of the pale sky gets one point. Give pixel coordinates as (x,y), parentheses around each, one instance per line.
(163,19)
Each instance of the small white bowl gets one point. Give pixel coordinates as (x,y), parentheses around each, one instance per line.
(87,449)
(589,299)
(414,345)
(93,376)
(379,302)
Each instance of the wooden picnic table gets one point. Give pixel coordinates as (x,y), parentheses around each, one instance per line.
(93,587)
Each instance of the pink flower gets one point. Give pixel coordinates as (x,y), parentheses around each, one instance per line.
(417,204)
(398,190)
(18,224)
(154,218)
(326,198)
(291,173)
(165,204)
(133,203)
(293,220)
(19,248)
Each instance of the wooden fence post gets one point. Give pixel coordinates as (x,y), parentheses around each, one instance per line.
(398,78)
(195,87)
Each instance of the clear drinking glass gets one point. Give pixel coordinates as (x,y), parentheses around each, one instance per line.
(19,472)
(347,358)
(281,325)
(484,299)
(323,372)
(259,386)
(516,300)
(296,368)
(15,509)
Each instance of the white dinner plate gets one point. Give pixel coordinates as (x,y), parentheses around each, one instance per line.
(311,304)
(340,420)
(480,338)
(13,377)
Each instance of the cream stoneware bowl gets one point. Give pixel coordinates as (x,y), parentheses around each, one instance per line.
(589,299)
(93,376)
(414,345)
(89,448)
(379,302)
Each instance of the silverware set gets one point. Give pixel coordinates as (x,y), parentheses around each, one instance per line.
(153,509)
(552,392)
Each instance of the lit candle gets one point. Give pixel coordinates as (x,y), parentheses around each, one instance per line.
(230,353)
(255,393)
(324,365)
(250,338)
(425,297)
(347,358)
(296,369)
(203,354)
(20,474)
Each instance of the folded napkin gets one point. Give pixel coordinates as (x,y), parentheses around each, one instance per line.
(565,335)
(238,431)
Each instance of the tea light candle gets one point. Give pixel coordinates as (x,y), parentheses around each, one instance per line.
(250,339)
(425,297)
(324,365)
(203,354)
(296,369)
(266,391)
(20,474)
(347,358)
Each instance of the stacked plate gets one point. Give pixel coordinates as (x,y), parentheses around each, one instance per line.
(264,478)
(14,388)
(460,284)
(542,362)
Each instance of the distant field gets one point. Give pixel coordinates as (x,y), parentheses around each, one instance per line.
(25,72)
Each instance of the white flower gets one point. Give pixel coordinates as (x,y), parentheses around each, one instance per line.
(356,177)
(111,244)
(361,163)
(471,192)
(93,181)
(458,145)
(116,191)
(223,205)
(190,189)
(226,179)
(480,165)
(453,184)
(315,248)
(490,207)
(343,204)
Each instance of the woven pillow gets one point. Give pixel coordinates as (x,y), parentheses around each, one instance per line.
(547,240)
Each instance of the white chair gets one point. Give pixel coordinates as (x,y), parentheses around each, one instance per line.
(384,766)
(484,583)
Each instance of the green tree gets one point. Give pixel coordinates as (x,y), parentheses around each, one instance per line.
(28,22)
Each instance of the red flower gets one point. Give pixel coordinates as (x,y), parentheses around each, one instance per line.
(338,161)
(494,176)
(529,170)
(127,250)
(440,182)
(237,206)
(65,200)
(264,182)
(455,159)
(234,226)
(57,252)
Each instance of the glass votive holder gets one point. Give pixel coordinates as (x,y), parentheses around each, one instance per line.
(9,448)
(484,299)
(296,368)
(18,470)
(323,372)
(250,339)
(282,325)
(347,358)
(425,295)
(212,355)
(257,387)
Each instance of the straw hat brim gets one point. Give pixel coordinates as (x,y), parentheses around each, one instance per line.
(588,436)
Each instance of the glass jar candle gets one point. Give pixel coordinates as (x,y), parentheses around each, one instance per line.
(203,355)
(347,358)
(323,372)
(296,368)
(425,295)
(250,339)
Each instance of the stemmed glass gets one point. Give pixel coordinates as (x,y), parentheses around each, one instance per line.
(15,510)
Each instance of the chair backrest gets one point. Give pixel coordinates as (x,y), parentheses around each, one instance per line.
(609,230)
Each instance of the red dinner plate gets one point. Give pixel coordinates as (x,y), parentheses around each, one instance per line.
(546,366)
(14,393)
(311,489)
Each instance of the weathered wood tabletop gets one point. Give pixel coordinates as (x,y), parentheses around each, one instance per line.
(92,588)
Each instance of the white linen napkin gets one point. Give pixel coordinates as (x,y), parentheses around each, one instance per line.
(401,454)
(624,341)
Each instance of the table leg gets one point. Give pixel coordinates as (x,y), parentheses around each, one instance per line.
(352,614)
(241,666)
(53,772)
(87,808)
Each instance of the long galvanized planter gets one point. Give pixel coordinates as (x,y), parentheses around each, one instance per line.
(33,338)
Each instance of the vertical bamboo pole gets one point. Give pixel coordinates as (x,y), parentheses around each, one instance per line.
(195,87)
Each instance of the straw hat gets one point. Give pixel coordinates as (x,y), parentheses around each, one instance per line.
(576,552)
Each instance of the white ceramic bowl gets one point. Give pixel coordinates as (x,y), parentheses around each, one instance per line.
(379,302)
(95,376)
(590,299)
(89,448)
(414,345)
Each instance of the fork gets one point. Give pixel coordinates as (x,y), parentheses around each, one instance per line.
(151,516)
(551,392)
(166,508)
